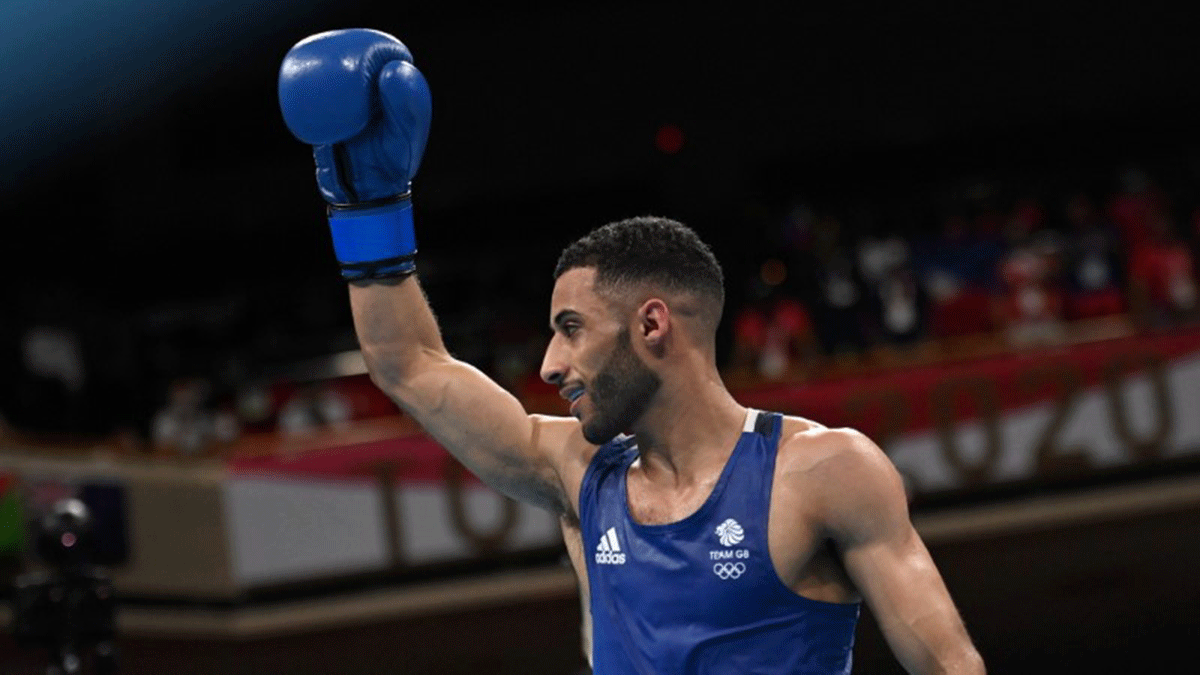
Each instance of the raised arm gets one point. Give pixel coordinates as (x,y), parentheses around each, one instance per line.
(357,98)
(483,425)
(866,514)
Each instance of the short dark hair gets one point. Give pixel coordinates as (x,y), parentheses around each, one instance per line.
(648,249)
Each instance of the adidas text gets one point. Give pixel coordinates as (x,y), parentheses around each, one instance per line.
(609,558)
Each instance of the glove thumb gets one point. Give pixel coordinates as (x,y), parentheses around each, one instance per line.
(408,107)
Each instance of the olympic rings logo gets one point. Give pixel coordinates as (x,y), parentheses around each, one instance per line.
(727,570)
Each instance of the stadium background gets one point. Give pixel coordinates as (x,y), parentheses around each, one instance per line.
(172,308)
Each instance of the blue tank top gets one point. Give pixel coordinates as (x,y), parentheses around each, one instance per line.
(701,595)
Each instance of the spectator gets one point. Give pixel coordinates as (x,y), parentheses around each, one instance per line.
(837,292)
(772,334)
(1162,276)
(897,300)
(1195,236)
(1091,263)
(957,271)
(1032,302)
(52,380)
(1132,207)
(185,426)
(314,407)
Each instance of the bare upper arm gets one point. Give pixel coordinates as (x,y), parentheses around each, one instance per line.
(534,458)
(573,540)
(860,503)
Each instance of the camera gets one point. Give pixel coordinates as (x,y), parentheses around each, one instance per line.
(67,608)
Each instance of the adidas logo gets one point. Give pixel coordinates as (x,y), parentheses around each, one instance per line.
(608,551)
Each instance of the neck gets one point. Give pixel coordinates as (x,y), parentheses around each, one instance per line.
(691,427)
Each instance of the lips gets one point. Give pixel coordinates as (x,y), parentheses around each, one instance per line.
(572,395)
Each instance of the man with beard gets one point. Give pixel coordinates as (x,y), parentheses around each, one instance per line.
(708,537)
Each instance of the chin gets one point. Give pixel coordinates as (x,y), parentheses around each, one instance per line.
(597,437)
(598,434)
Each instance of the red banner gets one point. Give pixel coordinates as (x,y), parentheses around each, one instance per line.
(948,427)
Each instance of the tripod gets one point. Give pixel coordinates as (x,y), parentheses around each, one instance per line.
(70,613)
(67,609)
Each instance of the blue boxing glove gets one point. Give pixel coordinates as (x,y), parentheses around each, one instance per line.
(355,96)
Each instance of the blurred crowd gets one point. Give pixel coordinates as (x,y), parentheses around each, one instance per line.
(1020,271)
(834,285)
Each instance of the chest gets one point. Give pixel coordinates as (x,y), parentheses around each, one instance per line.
(710,568)
(690,522)
(650,504)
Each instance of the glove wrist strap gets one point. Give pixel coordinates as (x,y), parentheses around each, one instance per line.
(374,240)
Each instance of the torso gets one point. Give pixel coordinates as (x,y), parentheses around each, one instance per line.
(802,555)
(709,572)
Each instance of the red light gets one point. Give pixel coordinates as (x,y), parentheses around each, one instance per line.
(668,139)
(773,272)
(68,539)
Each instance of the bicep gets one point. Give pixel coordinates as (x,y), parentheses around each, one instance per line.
(890,565)
(574,543)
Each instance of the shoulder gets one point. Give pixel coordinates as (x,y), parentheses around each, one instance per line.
(839,476)
(806,447)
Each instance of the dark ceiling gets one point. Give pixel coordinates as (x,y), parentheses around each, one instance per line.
(153,120)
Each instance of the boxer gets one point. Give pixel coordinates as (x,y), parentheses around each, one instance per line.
(708,537)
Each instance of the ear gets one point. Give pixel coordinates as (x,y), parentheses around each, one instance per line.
(654,323)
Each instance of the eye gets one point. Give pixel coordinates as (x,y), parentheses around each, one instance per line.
(569,329)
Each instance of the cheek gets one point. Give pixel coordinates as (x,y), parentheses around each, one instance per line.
(589,359)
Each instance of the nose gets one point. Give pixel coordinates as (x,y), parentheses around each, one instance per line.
(554,371)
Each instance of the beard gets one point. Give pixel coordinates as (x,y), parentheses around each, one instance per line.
(620,392)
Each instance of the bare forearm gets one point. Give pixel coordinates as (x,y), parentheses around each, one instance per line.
(963,661)
(924,629)
(967,662)
(480,423)
(395,328)
(327,84)
(937,644)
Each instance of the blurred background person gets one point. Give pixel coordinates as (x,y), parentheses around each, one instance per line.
(835,291)
(957,268)
(773,334)
(1135,204)
(1092,264)
(898,301)
(1031,300)
(1162,275)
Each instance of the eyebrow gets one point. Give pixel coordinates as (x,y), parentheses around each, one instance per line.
(562,317)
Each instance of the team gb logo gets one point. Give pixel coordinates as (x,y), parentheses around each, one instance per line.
(730,532)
